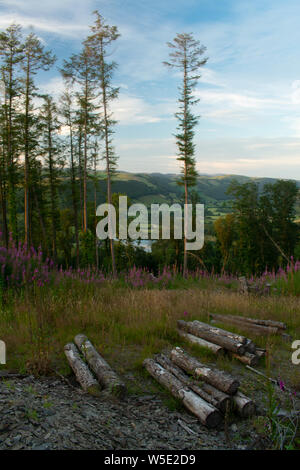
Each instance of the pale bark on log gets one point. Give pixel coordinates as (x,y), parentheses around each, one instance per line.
(258,321)
(260,353)
(215,348)
(82,373)
(206,413)
(208,334)
(219,379)
(243,405)
(247,358)
(106,376)
(251,327)
(210,394)
(244,285)
(219,331)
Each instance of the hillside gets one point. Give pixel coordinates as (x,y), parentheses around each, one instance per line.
(151,188)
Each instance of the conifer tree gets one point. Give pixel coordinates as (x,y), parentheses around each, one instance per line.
(100,42)
(11,54)
(80,69)
(186,56)
(51,151)
(35,59)
(68,116)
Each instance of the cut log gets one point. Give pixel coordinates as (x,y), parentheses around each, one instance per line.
(248,358)
(241,323)
(258,321)
(210,394)
(243,405)
(82,373)
(219,331)
(219,379)
(106,376)
(250,346)
(210,335)
(205,412)
(215,348)
(244,287)
(260,353)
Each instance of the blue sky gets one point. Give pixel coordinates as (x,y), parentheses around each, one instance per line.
(249,91)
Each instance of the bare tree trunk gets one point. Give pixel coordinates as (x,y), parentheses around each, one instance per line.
(242,324)
(244,405)
(209,335)
(206,413)
(106,376)
(219,379)
(210,394)
(247,358)
(201,342)
(81,371)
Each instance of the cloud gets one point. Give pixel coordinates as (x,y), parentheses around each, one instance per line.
(56,27)
(129,110)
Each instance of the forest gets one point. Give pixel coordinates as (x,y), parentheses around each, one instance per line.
(58,162)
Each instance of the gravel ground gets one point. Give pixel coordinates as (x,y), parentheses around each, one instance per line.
(48,413)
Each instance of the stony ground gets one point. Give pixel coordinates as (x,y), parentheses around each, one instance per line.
(49,413)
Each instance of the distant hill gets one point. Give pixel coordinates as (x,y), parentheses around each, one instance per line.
(151,188)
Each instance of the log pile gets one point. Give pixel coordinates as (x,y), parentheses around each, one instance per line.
(218,340)
(91,360)
(208,393)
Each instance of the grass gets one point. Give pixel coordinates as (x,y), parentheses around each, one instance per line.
(126,325)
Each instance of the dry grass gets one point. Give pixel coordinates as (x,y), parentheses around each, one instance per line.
(125,325)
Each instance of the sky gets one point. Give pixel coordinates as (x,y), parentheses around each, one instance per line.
(249,89)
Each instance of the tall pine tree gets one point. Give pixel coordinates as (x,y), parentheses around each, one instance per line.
(186,56)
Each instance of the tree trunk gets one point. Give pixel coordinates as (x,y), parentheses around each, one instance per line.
(241,323)
(81,370)
(210,335)
(217,378)
(219,331)
(201,342)
(258,321)
(243,405)
(247,358)
(206,413)
(260,353)
(106,376)
(210,394)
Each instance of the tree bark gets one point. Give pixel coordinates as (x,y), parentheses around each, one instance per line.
(201,342)
(247,358)
(81,370)
(243,405)
(205,391)
(258,321)
(206,413)
(219,331)
(106,376)
(241,323)
(209,334)
(219,379)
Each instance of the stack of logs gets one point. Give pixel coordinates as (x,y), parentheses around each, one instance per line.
(220,341)
(208,394)
(106,378)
